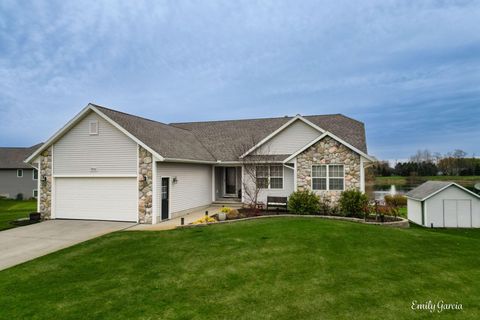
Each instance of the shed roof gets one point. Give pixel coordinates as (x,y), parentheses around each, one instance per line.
(430,188)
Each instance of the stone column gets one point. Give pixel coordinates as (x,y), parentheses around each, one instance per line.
(45,177)
(145,186)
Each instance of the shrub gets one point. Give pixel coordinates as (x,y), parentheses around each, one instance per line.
(205,219)
(397,200)
(19,196)
(225,210)
(353,203)
(233,214)
(304,202)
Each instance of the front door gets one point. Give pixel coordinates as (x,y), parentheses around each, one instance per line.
(165,197)
(230,181)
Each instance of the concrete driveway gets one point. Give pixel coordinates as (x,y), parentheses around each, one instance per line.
(29,242)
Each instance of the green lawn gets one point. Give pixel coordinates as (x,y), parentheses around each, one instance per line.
(265,269)
(466,181)
(14,209)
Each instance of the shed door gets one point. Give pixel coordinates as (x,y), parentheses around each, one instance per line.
(464,213)
(457,213)
(450,213)
(96,198)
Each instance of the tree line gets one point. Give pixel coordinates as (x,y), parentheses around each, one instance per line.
(426,163)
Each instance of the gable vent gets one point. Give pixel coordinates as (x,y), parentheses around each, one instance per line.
(93,127)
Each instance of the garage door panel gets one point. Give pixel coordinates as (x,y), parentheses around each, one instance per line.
(450,213)
(96,198)
(464,213)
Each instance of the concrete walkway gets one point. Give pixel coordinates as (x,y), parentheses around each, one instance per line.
(173,223)
(29,242)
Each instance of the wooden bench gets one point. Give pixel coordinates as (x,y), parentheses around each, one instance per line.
(277,202)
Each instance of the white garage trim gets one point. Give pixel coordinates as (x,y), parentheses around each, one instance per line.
(96,198)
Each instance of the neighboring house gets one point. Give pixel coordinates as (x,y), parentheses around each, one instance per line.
(443,204)
(109,165)
(17,177)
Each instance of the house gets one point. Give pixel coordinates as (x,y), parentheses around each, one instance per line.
(17,179)
(109,165)
(443,204)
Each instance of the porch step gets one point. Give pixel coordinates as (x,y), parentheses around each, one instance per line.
(228,203)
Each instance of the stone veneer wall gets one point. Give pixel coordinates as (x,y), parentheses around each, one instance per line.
(328,151)
(145,188)
(45,170)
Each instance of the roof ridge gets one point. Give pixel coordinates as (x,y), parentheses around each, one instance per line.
(138,117)
(128,114)
(228,120)
(266,118)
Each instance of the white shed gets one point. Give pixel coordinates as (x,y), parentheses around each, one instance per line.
(443,204)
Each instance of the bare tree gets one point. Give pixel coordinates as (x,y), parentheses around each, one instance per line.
(255,171)
(422,156)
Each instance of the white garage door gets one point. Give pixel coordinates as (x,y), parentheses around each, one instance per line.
(96,198)
(457,213)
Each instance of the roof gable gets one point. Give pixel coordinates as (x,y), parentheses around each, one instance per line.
(334,137)
(281,131)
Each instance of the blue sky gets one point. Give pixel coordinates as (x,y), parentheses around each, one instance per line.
(409,69)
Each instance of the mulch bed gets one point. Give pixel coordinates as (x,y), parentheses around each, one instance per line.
(250,213)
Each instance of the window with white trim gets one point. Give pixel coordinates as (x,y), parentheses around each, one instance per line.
(319,177)
(269,176)
(328,177)
(35,193)
(336,177)
(35,174)
(93,127)
(19,173)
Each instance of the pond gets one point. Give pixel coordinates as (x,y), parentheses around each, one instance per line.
(379,191)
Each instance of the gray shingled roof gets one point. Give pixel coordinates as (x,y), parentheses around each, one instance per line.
(227,139)
(168,141)
(12,158)
(428,188)
(224,140)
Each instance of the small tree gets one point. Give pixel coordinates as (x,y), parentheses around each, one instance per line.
(304,202)
(353,203)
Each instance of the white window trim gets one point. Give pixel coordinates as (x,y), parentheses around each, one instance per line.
(90,127)
(269,176)
(33,174)
(33,193)
(327,176)
(21,175)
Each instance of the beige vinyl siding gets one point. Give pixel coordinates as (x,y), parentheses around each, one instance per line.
(192,190)
(109,152)
(288,187)
(290,139)
(96,198)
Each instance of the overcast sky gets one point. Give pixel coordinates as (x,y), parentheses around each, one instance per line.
(409,69)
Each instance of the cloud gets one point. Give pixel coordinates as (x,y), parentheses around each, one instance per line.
(410,70)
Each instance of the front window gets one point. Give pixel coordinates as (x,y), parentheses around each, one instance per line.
(35,174)
(328,177)
(319,177)
(35,193)
(335,177)
(262,177)
(270,177)
(20,173)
